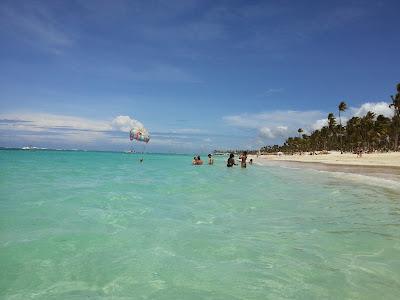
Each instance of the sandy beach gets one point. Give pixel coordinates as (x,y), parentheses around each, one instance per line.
(391,159)
(385,166)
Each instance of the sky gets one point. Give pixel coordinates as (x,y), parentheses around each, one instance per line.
(199,75)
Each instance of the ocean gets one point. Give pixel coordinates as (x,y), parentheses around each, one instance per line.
(99,225)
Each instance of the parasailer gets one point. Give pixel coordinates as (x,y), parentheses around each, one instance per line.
(140,135)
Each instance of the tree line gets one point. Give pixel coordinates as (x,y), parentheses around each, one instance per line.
(368,133)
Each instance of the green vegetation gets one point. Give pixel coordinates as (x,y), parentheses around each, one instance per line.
(369,133)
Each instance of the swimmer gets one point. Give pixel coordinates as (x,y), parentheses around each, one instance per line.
(199,161)
(231,161)
(243,158)
(210,159)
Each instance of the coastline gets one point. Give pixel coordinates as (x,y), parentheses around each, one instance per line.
(390,159)
(377,165)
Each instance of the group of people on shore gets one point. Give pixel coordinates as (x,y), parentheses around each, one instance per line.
(230,162)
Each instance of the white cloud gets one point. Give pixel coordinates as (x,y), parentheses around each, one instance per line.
(282,128)
(276,124)
(125,123)
(278,118)
(62,130)
(319,124)
(281,124)
(41,122)
(379,108)
(268,133)
(265,132)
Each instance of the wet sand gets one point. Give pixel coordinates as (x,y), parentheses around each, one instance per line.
(389,168)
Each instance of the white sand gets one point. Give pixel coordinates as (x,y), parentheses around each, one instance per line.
(391,159)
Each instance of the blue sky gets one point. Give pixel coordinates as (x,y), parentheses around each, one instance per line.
(199,75)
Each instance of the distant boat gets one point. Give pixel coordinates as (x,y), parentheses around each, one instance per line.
(29,148)
(221,153)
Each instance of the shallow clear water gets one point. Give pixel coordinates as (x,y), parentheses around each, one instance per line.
(86,225)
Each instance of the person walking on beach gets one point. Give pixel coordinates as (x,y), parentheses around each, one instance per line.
(231,161)
(210,159)
(243,158)
(359,152)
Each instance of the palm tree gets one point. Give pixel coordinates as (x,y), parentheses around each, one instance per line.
(367,124)
(396,117)
(353,130)
(331,126)
(342,107)
(382,128)
(371,132)
(300,131)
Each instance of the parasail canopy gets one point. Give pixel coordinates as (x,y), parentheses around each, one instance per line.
(139,134)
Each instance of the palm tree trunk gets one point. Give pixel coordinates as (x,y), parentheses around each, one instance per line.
(341,134)
(396,130)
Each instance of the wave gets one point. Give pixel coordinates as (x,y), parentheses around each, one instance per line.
(365,179)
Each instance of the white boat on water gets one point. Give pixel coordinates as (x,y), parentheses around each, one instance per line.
(29,148)
(129,152)
(220,154)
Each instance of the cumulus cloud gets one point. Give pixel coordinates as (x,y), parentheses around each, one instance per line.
(266,133)
(64,130)
(281,124)
(125,123)
(282,128)
(44,122)
(319,124)
(278,118)
(379,108)
(275,124)
(61,131)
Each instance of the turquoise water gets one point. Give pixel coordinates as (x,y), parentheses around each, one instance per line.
(87,225)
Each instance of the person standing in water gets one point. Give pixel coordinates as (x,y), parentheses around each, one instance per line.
(231,161)
(199,161)
(210,159)
(243,158)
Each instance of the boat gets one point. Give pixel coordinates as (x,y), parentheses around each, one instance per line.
(29,148)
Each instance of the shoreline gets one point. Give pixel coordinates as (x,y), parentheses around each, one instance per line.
(384,165)
(389,159)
